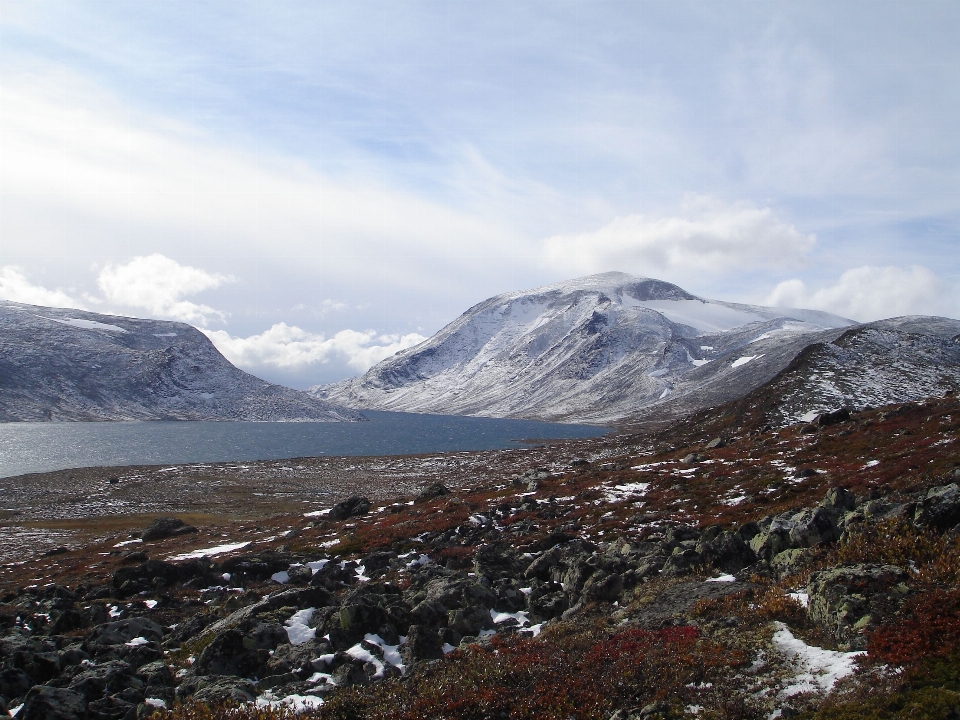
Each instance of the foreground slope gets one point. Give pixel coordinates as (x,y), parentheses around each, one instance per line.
(812,574)
(58,364)
(599,348)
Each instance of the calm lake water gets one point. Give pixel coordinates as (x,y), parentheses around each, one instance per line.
(41,447)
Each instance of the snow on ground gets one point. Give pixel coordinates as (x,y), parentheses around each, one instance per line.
(818,670)
(501,617)
(209,552)
(297,627)
(619,493)
(744,360)
(295,703)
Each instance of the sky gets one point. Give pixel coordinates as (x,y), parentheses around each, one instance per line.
(320,184)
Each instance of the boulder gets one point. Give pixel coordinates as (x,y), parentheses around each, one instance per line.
(681,562)
(230,653)
(353,506)
(96,681)
(939,508)
(123,631)
(259,566)
(811,528)
(50,703)
(847,600)
(431,492)
(166,527)
(219,690)
(838,501)
(497,561)
(469,620)
(726,551)
(423,643)
(603,587)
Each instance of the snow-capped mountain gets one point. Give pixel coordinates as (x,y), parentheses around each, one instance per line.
(60,364)
(596,349)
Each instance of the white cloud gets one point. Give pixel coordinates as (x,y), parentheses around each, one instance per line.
(158,284)
(290,347)
(869,293)
(705,236)
(15,286)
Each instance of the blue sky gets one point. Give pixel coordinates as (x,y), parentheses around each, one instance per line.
(318,184)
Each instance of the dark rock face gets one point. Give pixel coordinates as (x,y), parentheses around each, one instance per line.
(353,506)
(166,527)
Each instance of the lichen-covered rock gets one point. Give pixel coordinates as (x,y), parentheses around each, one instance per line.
(430,492)
(725,550)
(847,600)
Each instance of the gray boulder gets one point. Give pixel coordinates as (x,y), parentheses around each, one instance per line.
(811,528)
(166,527)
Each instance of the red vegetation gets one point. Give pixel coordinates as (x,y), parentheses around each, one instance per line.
(930,629)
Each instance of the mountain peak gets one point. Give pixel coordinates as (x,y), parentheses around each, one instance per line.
(613,283)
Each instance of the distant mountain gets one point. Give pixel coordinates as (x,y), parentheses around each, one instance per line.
(58,364)
(596,349)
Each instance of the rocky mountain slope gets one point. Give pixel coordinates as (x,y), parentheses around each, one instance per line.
(712,570)
(59,364)
(599,348)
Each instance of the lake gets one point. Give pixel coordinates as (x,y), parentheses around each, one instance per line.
(42,447)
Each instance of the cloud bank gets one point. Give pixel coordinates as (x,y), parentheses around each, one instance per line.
(868,293)
(284,346)
(703,236)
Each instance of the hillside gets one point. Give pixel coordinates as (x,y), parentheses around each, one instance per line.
(61,365)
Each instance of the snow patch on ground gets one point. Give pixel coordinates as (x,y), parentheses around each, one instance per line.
(744,360)
(209,552)
(818,670)
(298,629)
(619,493)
